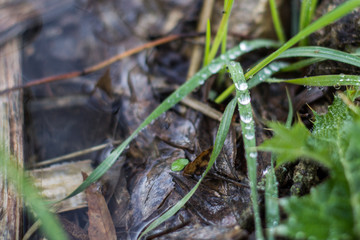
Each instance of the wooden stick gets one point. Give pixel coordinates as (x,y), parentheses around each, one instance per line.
(11,139)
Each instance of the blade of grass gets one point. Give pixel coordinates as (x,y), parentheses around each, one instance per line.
(219,142)
(291,110)
(197,80)
(306,14)
(301,64)
(272,213)
(322,81)
(330,17)
(222,30)
(266,72)
(207,43)
(322,52)
(224,39)
(277,23)
(294,17)
(248,133)
(24,186)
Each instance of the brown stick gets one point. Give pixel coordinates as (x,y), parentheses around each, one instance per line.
(102,64)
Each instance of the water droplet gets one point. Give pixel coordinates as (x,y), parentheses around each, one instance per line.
(342,75)
(249,136)
(223,57)
(243,46)
(232,56)
(248,126)
(274,68)
(215,67)
(242,86)
(233,64)
(244,99)
(253,154)
(267,71)
(337,86)
(300,235)
(246,118)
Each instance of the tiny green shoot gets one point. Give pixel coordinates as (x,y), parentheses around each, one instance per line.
(179,164)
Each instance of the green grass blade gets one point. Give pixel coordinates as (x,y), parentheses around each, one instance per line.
(198,79)
(24,186)
(207,43)
(330,17)
(301,64)
(248,133)
(219,142)
(291,110)
(222,29)
(266,73)
(322,81)
(306,14)
(294,17)
(277,23)
(272,213)
(224,39)
(322,52)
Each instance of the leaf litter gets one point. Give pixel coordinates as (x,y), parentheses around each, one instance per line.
(147,187)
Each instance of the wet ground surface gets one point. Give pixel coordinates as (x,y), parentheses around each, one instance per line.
(71,115)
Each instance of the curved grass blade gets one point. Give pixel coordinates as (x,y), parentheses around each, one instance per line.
(323,80)
(330,17)
(219,142)
(15,175)
(266,73)
(322,52)
(301,64)
(277,23)
(198,79)
(248,133)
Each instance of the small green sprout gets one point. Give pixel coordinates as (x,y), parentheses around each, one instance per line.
(179,164)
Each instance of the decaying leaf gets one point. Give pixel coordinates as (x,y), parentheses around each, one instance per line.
(101,225)
(199,165)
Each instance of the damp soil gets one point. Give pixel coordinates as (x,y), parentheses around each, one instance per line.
(68,116)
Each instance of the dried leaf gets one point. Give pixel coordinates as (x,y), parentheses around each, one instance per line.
(104,83)
(74,230)
(101,225)
(199,165)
